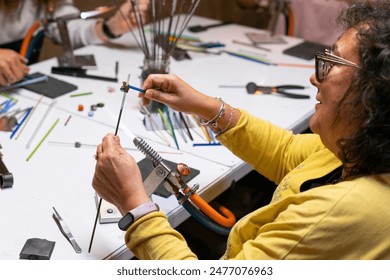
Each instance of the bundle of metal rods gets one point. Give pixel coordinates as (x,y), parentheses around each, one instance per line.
(158,33)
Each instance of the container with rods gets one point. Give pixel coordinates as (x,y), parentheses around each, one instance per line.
(158,31)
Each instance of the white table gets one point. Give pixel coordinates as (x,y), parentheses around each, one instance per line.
(60,175)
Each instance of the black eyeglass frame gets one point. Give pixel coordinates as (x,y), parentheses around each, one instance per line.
(323,70)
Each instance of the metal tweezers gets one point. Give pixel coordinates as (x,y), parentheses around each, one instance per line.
(66,231)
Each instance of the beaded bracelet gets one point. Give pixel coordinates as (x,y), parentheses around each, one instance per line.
(214,121)
(218,133)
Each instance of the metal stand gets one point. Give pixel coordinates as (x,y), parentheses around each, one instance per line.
(68,59)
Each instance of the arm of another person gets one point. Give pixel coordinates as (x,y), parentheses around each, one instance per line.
(90,31)
(13,67)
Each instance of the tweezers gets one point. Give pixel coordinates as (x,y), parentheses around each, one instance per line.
(66,231)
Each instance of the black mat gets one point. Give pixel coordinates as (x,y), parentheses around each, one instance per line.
(306,50)
(52,88)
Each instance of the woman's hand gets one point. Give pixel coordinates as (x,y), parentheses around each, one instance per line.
(127,18)
(13,67)
(117,178)
(178,95)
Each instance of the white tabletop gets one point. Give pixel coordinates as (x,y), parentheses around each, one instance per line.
(60,176)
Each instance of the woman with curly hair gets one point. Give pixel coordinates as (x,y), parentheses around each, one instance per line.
(333,191)
(17,16)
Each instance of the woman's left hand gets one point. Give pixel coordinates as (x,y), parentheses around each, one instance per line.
(117,178)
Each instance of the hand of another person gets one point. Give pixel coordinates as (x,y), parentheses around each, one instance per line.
(127,18)
(13,67)
(117,178)
(177,94)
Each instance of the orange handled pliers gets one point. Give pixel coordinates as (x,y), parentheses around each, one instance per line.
(252,88)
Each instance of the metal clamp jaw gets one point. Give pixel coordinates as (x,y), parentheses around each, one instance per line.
(186,196)
(6,178)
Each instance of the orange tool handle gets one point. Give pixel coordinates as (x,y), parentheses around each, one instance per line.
(27,38)
(291,21)
(227,219)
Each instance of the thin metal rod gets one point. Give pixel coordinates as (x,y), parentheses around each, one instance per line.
(94,225)
(139,22)
(127,23)
(116,132)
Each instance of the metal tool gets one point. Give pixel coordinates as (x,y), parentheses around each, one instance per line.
(200,28)
(125,89)
(66,231)
(80,73)
(252,88)
(219,221)
(6,178)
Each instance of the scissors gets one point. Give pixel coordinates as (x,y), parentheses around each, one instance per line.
(252,88)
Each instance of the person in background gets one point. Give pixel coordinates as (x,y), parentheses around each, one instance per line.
(312,20)
(17,16)
(333,190)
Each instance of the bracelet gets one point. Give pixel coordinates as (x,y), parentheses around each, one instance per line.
(107,31)
(218,133)
(214,120)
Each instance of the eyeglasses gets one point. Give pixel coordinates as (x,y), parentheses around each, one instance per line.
(326,60)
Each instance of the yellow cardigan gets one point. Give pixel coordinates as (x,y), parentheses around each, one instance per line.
(348,220)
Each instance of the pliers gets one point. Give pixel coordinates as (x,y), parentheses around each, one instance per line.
(252,88)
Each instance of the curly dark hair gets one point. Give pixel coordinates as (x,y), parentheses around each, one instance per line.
(368,150)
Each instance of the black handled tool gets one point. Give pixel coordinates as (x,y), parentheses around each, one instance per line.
(252,88)
(200,28)
(80,73)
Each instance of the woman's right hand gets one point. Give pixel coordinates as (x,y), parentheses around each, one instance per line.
(13,67)
(179,96)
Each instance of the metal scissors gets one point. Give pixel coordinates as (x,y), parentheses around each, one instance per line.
(66,231)
(252,88)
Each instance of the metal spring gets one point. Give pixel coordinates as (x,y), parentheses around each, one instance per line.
(147,150)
